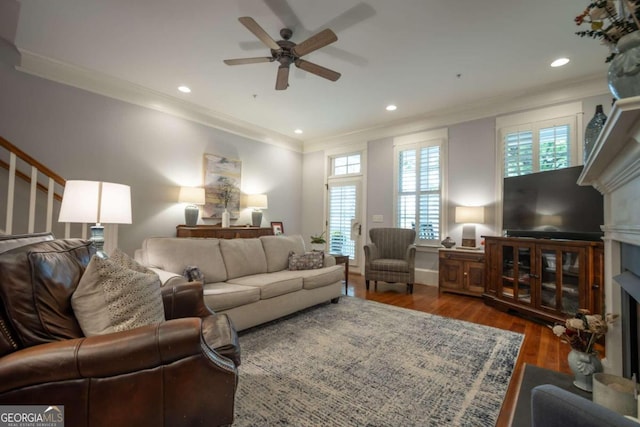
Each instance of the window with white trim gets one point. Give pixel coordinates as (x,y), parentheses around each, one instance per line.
(539,146)
(419,189)
(346,164)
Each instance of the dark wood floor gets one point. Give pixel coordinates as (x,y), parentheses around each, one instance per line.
(541,347)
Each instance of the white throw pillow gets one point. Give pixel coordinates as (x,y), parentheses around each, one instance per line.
(112,297)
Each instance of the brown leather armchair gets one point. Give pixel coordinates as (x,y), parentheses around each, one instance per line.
(182,372)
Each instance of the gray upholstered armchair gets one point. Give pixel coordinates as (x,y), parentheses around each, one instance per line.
(390,257)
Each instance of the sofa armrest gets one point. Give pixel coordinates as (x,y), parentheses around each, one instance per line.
(111,355)
(329,260)
(168,277)
(552,406)
(184,299)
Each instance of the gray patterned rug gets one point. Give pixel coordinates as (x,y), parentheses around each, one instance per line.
(362,363)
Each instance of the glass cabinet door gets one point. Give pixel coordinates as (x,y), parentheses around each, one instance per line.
(516,273)
(560,279)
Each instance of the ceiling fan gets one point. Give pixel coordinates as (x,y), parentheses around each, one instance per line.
(287,52)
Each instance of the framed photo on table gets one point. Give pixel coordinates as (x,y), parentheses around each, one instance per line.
(277,228)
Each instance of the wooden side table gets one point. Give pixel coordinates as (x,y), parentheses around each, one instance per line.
(343,259)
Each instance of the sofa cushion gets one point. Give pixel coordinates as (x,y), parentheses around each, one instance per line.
(223,296)
(386,264)
(318,278)
(36,284)
(174,254)
(306,261)
(111,297)
(242,257)
(8,242)
(272,284)
(277,249)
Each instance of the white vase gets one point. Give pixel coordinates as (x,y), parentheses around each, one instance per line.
(584,365)
(225,219)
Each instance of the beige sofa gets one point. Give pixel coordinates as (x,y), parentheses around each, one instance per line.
(248,279)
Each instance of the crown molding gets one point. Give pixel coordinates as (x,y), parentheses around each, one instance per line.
(112,87)
(557,93)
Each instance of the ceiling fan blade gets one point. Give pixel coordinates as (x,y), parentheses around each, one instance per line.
(315,42)
(257,30)
(282,80)
(241,61)
(318,70)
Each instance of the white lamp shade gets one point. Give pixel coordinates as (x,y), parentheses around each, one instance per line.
(96,202)
(470,214)
(80,202)
(192,195)
(115,206)
(257,201)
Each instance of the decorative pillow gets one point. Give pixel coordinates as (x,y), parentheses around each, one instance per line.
(193,274)
(307,261)
(124,260)
(111,297)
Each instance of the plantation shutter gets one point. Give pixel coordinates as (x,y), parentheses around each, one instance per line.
(518,153)
(540,148)
(554,148)
(342,209)
(419,191)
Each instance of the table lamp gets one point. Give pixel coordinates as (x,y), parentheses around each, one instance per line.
(193,196)
(469,216)
(257,202)
(96,202)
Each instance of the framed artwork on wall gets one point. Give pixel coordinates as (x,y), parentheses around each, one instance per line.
(277,228)
(222,179)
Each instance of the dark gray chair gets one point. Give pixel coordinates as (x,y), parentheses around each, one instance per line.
(390,257)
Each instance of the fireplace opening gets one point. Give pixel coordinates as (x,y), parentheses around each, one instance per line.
(629,282)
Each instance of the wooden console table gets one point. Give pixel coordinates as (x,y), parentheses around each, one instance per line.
(222,233)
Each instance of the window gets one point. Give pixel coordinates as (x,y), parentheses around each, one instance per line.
(419,189)
(546,140)
(345,165)
(529,151)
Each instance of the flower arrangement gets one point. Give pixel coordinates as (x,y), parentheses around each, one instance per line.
(582,331)
(608,22)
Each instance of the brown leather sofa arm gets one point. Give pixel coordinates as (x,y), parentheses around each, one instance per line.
(129,352)
(184,300)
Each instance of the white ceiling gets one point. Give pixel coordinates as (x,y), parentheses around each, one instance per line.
(424,56)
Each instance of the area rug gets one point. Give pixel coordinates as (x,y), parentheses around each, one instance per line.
(363,363)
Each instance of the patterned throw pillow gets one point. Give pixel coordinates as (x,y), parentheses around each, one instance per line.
(193,274)
(112,297)
(308,261)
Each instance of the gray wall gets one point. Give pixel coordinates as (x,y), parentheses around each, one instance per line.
(81,135)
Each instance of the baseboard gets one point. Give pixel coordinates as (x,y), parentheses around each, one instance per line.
(426,277)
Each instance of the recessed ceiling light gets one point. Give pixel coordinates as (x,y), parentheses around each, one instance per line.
(560,62)
(184,89)
(298,131)
(391,107)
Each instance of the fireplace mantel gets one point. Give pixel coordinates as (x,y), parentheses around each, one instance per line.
(613,168)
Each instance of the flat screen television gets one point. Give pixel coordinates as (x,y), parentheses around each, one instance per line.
(552,205)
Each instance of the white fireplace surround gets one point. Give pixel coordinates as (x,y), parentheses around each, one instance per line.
(613,168)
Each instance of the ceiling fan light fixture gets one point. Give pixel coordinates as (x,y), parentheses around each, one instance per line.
(391,107)
(184,89)
(298,131)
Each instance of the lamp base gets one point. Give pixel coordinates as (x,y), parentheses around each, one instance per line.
(469,236)
(191,213)
(256,218)
(97,237)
